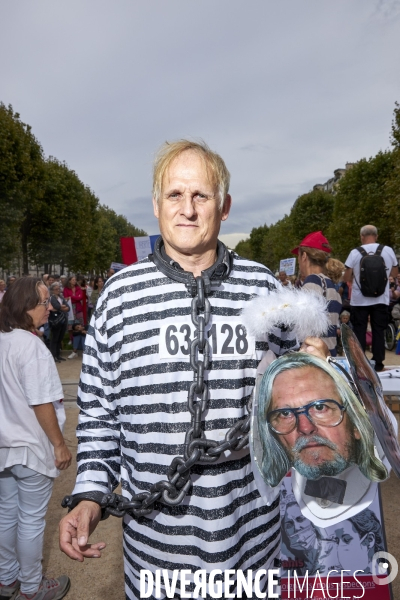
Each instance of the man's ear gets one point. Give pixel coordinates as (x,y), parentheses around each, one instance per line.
(155,208)
(357,434)
(226,207)
(369,540)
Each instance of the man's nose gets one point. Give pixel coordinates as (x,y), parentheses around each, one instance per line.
(188,206)
(304,424)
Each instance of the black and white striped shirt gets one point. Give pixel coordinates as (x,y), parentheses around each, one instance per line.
(133,419)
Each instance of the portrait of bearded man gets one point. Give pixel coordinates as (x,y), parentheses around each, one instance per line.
(309,420)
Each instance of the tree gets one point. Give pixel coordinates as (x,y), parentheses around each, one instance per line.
(48,215)
(362,199)
(61,223)
(395,135)
(278,243)
(21,159)
(310,212)
(243,249)
(104,245)
(122,228)
(256,239)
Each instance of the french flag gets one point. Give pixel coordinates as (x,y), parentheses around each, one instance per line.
(134,249)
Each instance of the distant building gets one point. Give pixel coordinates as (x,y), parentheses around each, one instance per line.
(330,185)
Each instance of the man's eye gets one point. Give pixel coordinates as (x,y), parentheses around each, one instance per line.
(285,414)
(321,408)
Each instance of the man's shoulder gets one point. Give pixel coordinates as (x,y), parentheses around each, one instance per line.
(132,274)
(245,265)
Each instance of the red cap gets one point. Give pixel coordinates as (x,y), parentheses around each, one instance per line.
(314,240)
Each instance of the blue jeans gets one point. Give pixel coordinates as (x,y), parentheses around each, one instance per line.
(78,342)
(24,497)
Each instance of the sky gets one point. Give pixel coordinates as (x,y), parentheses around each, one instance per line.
(285,91)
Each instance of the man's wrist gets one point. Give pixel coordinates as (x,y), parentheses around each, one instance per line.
(99,498)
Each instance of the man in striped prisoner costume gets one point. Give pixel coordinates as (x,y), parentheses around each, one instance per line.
(135,379)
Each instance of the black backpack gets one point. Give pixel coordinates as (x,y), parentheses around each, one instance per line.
(373,277)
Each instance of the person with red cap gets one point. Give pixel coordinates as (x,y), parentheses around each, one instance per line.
(313,254)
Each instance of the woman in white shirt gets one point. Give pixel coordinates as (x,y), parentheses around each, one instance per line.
(32,447)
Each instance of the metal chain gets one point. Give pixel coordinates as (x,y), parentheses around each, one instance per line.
(197,449)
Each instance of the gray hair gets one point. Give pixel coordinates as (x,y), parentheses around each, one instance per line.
(345,313)
(54,285)
(368,230)
(275,462)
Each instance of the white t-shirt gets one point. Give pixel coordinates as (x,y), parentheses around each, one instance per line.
(353,261)
(28,376)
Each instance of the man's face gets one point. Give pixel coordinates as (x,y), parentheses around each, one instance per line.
(188,210)
(313,450)
(282,276)
(344,319)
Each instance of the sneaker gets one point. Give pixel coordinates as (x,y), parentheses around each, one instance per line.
(7,592)
(73,355)
(50,589)
(61,358)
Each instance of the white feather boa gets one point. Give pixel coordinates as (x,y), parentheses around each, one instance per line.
(303,311)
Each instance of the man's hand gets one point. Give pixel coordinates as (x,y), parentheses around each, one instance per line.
(75,529)
(63,456)
(315,346)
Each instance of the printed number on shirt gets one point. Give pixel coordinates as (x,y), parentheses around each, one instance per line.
(226,339)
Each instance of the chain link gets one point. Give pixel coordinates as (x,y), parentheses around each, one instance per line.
(197,449)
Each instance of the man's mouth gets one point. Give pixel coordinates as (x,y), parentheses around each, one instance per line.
(312,442)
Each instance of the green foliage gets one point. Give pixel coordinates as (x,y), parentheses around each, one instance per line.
(395,136)
(59,223)
(48,215)
(311,212)
(243,249)
(278,243)
(362,199)
(20,175)
(122,228)
(391,208)
(257,236)
(369,193)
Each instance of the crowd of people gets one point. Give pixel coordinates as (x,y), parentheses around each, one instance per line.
(367,316)
(72,302)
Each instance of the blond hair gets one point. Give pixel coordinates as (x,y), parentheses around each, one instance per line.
(334,269)
(171,150)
